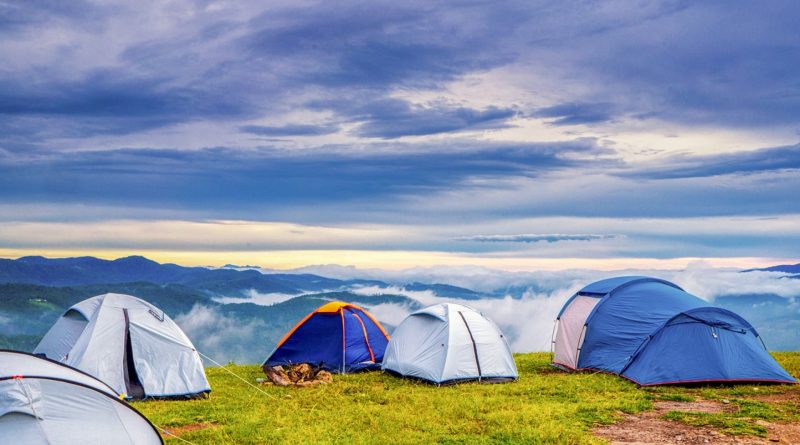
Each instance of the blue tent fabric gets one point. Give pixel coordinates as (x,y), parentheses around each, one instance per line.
(653,332)
(317,341)
(626,315)
(337,337)
(726,345)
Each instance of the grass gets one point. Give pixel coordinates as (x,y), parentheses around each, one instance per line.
(545,406)
(740,417)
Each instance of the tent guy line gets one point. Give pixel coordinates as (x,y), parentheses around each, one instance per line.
(236,375)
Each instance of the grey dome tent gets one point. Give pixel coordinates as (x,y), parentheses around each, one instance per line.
(43,402)
(449,343)
(129,344)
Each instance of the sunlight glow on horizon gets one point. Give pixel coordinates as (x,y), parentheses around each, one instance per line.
(395,260)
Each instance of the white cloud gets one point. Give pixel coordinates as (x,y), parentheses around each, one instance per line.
(424,296)
(252,296)
(220,337)
(390,314)
(708,282)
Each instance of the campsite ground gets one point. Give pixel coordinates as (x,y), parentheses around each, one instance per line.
(545,406)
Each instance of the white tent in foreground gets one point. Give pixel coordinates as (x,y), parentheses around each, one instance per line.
(129,344)
(46,403)
(448,343)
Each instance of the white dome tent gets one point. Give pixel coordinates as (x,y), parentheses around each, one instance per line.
(129,344)
(43,402)
(449,343)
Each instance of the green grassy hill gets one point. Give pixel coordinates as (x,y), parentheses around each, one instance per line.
(545,406)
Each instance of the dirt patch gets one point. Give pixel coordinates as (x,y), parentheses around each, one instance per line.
(784,397)
(700,406)
(782,432)
(183,429)
(650,429)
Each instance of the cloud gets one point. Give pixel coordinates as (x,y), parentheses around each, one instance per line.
(344,113)
(425,297)
(535,238)
(526,319)
(616,54)
(524,305)
(223,180)
(379,46)
(289,130)
(533,300)
(709,283)
(389,314)
(581,64)
(576,113)
(392,118)
(17,17)
(251,296)
(771,159)
(221,337)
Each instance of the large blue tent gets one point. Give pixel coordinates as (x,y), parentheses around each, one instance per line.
(339,337)
(654,333)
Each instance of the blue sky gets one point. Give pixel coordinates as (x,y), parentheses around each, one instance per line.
(506,134)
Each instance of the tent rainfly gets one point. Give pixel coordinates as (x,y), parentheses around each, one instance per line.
(652,332)
(338,337)
(129,344)
(43,402)
(449,343)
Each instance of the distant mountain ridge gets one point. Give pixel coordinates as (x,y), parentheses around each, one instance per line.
(87,270)
(35,291)
(81,271)
(785,268)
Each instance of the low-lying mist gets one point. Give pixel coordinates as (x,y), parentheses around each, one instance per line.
(524,305)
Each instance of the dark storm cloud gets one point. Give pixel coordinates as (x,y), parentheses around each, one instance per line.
(394,118)
(764,160)
(722,64)
(221,179)
(289,130)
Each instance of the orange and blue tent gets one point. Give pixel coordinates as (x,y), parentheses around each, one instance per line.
(339,337)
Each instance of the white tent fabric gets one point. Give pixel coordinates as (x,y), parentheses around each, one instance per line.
(46,403)
(109,334)
(569,334)
(448,343)
(14,363)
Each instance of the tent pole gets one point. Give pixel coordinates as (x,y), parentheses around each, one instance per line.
(578,349)
(344,342)
(474,346)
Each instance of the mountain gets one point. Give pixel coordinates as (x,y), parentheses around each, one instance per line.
(89,270)
(785,268)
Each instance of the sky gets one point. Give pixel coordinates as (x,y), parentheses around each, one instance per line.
(514,135)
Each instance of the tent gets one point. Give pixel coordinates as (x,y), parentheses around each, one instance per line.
(449,343)
(129,344)
(339,337)
(43,402)
(653,332)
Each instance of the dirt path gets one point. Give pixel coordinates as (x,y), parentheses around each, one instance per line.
(650,428)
